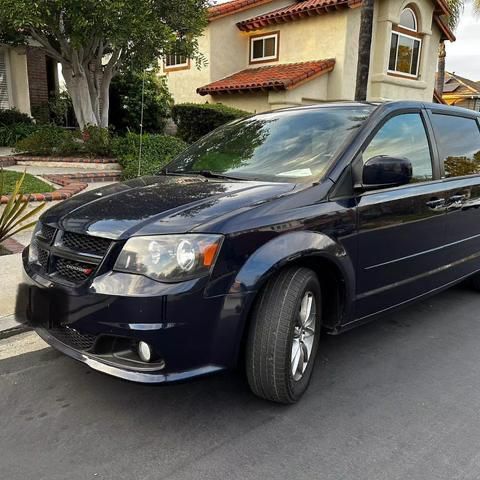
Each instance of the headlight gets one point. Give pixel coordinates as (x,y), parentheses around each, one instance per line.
(170,258)
(33,248)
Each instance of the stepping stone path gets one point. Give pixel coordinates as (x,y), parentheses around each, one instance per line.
(72,174)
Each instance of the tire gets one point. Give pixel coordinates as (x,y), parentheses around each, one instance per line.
(275,331)
(474,281)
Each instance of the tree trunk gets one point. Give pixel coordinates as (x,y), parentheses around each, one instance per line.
(364,50)
(441,69)
(78,88)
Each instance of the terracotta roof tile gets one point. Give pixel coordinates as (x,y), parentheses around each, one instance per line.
(295,11)
(229,8)
(272,77)
(303,8)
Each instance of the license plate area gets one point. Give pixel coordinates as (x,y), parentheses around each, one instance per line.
(39,307)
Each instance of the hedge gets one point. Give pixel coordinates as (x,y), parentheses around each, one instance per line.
(13,116)
(196,120)
(50,140)
(157,151)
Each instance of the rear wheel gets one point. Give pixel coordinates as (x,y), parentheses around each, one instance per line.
(284,334)
(474,281)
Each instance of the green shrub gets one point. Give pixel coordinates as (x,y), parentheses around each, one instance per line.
(196,120)
(126,101)
(11,134)
(12,116)
(157,151)
(51,140)
(96,141)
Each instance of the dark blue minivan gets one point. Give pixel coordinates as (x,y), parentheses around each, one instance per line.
(257,237)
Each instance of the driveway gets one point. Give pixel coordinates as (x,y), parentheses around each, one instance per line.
(393,400)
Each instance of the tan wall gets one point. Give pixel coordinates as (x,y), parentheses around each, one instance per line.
(18,79)
(183,83)
(387,87)
(333,35)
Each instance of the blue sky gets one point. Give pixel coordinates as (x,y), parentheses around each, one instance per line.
(463,56)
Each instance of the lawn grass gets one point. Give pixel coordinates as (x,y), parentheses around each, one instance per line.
(31,184)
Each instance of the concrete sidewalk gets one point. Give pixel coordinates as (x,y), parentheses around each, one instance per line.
(11,276)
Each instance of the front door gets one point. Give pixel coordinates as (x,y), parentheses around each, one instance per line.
(400,230)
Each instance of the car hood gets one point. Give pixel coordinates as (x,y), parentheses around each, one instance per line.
(159,204)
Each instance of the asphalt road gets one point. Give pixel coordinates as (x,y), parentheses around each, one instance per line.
(395,399)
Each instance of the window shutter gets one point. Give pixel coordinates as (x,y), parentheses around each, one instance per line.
(4,102)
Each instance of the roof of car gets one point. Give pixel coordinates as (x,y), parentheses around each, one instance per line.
(395,104)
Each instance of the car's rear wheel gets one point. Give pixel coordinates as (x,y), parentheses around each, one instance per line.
(284,334)
(474,281)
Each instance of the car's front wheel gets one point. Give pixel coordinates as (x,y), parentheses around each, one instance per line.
(284,334)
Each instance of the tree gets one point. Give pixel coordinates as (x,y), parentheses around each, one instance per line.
(364,50)
(456,11)
(126,101)
(93,38)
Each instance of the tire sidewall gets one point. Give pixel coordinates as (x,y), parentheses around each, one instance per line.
(296,388)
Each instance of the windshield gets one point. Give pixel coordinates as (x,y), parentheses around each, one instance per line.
(288,146)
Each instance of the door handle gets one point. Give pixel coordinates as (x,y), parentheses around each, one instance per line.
(458,198)
(436,203)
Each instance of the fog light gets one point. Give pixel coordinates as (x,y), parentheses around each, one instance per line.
(145,352)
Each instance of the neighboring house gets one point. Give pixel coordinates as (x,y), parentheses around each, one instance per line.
(461,92)
(27,78)
(267,54)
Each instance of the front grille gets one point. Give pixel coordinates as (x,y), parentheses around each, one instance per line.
(75,272)
(71,337)
(85,243)
(43,258)
(69,256)
(47,233)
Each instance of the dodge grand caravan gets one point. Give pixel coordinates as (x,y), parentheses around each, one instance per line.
(257,237)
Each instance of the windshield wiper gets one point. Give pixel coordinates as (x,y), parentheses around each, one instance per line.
(203,173)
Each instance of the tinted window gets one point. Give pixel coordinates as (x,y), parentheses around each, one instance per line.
(458,139)
(404,136)
(295,145)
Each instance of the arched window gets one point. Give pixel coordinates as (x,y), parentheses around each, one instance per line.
(405,45)
(408,19)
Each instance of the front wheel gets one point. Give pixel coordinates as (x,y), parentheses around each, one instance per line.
(284,334)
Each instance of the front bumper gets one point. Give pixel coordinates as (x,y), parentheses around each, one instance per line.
(191,334)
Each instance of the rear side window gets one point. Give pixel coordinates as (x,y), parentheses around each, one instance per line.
(458,139)
(404,136)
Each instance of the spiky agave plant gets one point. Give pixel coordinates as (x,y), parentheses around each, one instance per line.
(14,215)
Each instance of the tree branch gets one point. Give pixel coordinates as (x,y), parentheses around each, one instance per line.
(43,40)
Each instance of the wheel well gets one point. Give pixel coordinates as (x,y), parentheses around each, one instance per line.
(332,286)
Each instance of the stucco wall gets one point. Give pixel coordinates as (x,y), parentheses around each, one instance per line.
(332,35)
(387,87)
(17,77)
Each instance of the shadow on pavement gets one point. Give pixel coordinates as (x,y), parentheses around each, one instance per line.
(387,400)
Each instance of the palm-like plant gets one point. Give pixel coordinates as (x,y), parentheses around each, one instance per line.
(14,215)
(456,10)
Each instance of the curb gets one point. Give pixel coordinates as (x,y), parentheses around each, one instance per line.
(13,327)
(33,158)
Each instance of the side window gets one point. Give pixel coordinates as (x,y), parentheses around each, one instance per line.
(404,136)
(458,139)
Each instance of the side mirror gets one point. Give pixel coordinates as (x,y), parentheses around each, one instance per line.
(384,171)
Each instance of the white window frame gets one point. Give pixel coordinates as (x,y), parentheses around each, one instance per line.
(417,67)
(262,38)
(185,64)
(414,16)
(8,73)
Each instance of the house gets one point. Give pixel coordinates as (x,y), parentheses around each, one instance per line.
(27,78)
(268,54)
(461,92)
